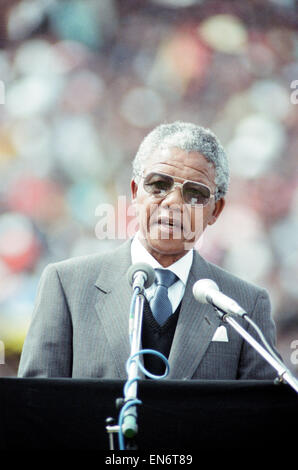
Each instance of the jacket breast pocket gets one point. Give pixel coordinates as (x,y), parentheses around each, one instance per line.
(220,361)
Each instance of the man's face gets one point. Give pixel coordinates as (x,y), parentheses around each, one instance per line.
(168,226)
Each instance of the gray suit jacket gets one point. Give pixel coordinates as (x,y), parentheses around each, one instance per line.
(80,324)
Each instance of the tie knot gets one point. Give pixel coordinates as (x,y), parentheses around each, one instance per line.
(165,277)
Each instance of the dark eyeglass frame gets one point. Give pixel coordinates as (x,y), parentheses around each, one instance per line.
(174,185)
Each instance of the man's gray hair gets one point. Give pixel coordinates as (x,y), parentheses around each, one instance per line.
(190,138)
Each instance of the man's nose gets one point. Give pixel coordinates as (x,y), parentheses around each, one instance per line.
(174,197)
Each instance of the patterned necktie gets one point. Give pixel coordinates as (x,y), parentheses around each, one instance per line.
(160,304)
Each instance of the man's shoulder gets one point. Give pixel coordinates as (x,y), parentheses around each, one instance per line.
(87,265)
(78,262)
(233,279)
(233,285)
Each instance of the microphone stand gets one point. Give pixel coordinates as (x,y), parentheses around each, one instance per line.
(283,372)
(130,428)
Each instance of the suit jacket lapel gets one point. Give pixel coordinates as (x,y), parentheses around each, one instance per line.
(113,304)
(195,328)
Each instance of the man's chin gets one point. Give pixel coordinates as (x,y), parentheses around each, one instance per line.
(170,246)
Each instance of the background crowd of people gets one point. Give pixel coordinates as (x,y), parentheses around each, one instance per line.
(83,81)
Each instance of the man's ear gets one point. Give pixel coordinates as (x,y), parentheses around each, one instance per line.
(133,189)
(218,208)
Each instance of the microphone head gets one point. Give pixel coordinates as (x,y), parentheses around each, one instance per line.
(145,268)
(201,288)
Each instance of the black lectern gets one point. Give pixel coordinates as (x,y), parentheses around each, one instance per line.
(62,414)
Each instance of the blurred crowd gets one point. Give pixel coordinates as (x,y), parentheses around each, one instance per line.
(83,81)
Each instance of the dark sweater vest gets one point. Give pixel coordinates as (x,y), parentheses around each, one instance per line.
(158,338)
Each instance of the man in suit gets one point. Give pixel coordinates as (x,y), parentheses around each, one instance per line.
(80,322)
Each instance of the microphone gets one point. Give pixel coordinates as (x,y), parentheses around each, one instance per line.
(140,275)
(206,291)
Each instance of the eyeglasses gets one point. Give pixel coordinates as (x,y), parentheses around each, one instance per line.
(160,185)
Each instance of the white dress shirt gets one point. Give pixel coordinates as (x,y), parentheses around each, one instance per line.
(181,268)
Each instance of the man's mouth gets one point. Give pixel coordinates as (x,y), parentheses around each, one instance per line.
(169,222)
(170,226)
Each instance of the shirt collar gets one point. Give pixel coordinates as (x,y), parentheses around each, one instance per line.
(181,267)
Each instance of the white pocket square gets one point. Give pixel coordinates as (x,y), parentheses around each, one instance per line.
(221,334)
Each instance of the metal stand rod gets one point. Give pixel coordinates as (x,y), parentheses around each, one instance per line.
(283,372)
(130,427)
